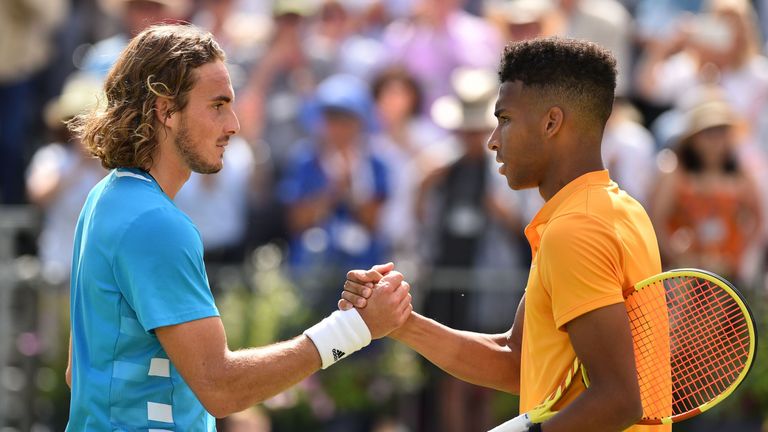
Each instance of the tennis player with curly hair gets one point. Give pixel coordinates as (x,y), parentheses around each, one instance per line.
(148,350)
(591,242)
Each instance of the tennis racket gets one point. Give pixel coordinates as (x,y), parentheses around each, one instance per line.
(694,342)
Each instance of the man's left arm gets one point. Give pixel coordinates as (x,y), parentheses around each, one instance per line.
(583,269)
(603,342)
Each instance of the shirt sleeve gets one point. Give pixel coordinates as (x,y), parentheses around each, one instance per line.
(580,266)
(159,269)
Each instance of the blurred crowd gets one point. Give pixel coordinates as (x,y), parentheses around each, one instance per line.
(363,138)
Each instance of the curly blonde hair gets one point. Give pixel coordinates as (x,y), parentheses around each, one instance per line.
(158,62)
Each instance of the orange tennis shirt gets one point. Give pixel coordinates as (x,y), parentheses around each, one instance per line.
(591,243)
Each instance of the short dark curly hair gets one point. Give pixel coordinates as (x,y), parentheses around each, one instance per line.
(579,71)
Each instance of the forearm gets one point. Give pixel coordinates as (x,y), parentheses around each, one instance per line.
(602,340)
(250,376)
(477,358)
(595,410)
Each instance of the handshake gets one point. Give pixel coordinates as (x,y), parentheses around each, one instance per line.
(381,296)
(374,304)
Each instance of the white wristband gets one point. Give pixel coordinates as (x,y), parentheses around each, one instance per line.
(339,335)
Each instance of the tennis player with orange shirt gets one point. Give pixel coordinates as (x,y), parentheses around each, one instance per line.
(591,242)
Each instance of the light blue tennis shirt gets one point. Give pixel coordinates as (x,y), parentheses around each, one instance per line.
(137,265)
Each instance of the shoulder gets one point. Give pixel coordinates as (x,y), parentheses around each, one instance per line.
(161,224)
(143,210)
(160,232)
(577,230)
(580,253)
(601,219)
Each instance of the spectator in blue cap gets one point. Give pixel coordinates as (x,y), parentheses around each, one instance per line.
(334,187)
(344,94)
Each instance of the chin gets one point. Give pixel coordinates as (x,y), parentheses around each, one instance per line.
(519,185)
(209,169)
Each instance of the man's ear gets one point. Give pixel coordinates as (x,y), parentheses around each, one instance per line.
(553,121)
(164,112)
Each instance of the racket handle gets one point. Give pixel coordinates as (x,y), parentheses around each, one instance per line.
(520,423)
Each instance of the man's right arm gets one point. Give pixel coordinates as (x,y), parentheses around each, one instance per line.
(483,359)
(229,381)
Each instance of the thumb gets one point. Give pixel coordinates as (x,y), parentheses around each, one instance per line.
(383,269)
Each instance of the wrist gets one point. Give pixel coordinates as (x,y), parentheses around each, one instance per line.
(339,335)
(399,333)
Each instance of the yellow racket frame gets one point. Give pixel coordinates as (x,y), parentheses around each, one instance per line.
(542,412)
(737,297)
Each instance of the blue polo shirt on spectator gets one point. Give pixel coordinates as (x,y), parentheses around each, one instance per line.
(138,265)
(345,242)
(339,240)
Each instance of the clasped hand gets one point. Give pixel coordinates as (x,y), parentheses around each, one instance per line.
(381,295)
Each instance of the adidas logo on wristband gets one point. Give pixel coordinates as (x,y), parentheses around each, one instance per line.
(337,354)
(338,335)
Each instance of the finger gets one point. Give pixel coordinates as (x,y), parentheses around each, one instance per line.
(383,269)
(406,300)
(363,276)
(354,299)
(356,288)
(408,311)
(345,305)
(401,291)
(406,307)
(393,278)
(405,312)
(406,286)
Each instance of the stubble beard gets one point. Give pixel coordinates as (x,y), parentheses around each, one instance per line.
(193,160)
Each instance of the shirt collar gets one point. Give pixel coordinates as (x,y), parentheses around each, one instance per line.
(134,173)
(550,207)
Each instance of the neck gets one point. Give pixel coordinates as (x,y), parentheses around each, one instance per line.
(577,163)
(169,171)
(170,182)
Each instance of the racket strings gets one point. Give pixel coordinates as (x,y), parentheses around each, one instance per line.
(649,323)
(691,343)
(708,350)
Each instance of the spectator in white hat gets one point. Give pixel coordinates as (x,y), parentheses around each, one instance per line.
(60,175)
